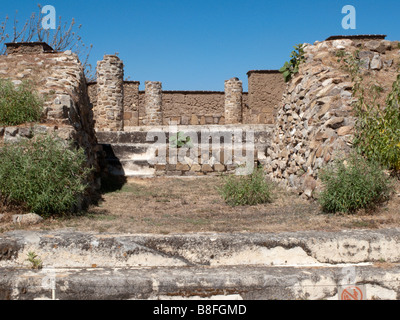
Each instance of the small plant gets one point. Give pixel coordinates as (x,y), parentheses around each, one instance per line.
(292,67)
(353,183)
(180,140)
(36,263)
(19,104)
(249,189)
(42,175)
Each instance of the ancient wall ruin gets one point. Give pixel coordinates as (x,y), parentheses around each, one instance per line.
(315,123)
(59,78)
(258,106)
(266,88)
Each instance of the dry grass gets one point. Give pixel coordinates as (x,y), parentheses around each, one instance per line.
(173,205)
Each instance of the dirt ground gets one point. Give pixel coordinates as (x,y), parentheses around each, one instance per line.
(185,205)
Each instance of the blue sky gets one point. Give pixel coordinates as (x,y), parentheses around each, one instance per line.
(196,45)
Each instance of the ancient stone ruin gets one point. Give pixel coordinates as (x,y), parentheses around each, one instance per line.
(292,129)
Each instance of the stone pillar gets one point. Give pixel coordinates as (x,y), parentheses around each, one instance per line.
(153,103)
(110,96)
(233,101)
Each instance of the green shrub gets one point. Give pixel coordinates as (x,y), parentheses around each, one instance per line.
(377,128)
(352,184)
(249,189)
(377,133)
(19,104)
(42,175)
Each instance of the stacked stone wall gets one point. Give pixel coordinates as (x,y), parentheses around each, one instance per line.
(315,122)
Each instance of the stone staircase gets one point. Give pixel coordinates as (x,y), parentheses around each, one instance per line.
(132,153)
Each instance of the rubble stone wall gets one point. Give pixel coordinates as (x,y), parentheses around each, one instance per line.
(314,123)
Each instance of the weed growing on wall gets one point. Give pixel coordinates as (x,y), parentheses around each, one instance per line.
(19,104)
(377,128)
(249,189)
(180,140)
(353,183)
(290,68)
(42,175)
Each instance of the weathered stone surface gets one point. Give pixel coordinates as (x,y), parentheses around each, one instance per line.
(109,110)
(27,219)
(376,62)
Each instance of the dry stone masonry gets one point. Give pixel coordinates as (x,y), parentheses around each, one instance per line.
(110,97)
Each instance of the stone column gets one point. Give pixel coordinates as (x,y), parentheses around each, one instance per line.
(233,101)
(153,103)
(110,96)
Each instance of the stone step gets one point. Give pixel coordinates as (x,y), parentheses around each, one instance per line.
(299,265)
(118,137)
(148,152)
(66,248)
(197,283)
(130,168)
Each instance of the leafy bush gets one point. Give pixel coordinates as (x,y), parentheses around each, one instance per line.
(378,129)
(42,175)
(292,67)
(249,189)
(18,104)
(352,184)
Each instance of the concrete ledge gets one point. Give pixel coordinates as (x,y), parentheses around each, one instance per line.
(237,283)
(297,265)
(79,250)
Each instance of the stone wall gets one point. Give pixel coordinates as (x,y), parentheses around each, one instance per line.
(266,88)
(59,78)
(131,103)
(198,107)
(315,121)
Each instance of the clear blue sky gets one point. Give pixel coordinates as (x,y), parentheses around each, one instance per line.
(197,44)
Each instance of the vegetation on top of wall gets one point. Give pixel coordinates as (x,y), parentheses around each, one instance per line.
(19,104)
(64,37)
(180,140)
(290,68)
(42,175)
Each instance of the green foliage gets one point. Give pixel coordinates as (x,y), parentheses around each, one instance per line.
(292,67)
(42,175)
(36,263)
(352,184)
(377,128)
(18,104)
(249,189)
(180,140)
